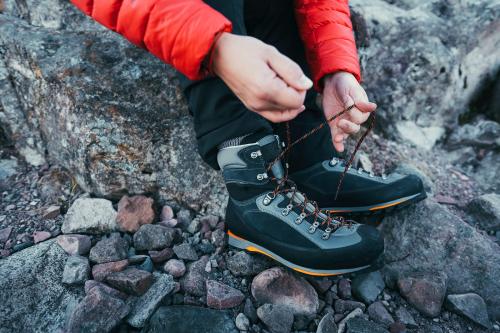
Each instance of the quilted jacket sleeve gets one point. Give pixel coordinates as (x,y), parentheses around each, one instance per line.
(179,32)
(326,30)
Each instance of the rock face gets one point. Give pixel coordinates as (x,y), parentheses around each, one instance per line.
(279,286)
(91,216)
(33,297)
(190,319)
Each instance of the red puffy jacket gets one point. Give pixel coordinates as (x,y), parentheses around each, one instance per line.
(181,32)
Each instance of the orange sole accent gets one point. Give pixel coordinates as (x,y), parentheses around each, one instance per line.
(234,236)
(388,205)
(311,273)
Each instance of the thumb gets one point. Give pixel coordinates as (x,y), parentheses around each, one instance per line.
(288,71)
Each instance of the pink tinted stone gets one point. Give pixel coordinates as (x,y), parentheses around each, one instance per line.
(5,234)
(222,296)
(161,256)
(166,213)
(134,212)
(74,244)
(40,236)
(101,271)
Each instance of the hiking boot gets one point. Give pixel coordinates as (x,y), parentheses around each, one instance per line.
(361,192)
(267,214)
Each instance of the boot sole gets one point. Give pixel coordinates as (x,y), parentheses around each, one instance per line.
(379,208)
(243,244)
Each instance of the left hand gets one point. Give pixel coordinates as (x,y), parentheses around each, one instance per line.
(342,90)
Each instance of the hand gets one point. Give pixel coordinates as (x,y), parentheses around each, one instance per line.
(342,90)
(266,81)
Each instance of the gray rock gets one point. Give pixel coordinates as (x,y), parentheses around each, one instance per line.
(76,270)
(97,312)
(242,322)
(153,237)
(405,317)
(343,323)
(440,239)
(321,284)
(471,306)
(33,297)
(132,281)
(141,308)
(193,282)
(190,319)
(90,284)
(487,177)
(327,324)
(184,218)
(221,296)
(175,267)
(425,292)
(279,286)
(343,306)
(74,244)
(245,264)
(486,211)
(161,256)
(379,314)
(368,286)
(90,216)
(7,168)
(360,325)
(249,311)
(112,248)
(146,265)
(482,133)
(185,251)
(277,318)
(344,289)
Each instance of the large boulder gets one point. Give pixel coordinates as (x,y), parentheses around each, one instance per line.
(428,237)
(33,296)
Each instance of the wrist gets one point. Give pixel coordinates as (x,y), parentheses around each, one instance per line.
(220,43)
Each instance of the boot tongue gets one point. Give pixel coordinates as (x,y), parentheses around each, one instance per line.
(270,149)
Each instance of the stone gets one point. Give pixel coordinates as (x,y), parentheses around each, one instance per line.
(344,289)
(90,216)
(143,307)
(218,238)
(277,318)
(405,317)
(321,284)
(245,264)
(425,292)
(153,237)
(194,226)
(343,306)
(146,265)
(132,281)
(327,324)
(242,322)
(471,306)
(485,210)
(184,218)
(420,136)
(40,236)
(90,284)
(134,211)
(367,287)
(193,282)
(379,314)
(397,327)
(249,311)
(33,297)
(101,271)
(51,212)
(175,267)
(76,270)
(190,319)
(185,251)
(343,322)
(97,312)
(279,286)
(221,296)
(167,213)
(112,248)
(74,244)
(481,133)
(7,168)
(469,259)
(5,234)
(161,255)
(360,325)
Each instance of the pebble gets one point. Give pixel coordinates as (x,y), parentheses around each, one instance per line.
(132,281)
(249,310)
(134,211)
(153,237)
(397,327)
(405,317)
(218,238)
(321,284)
(425,293)
(51,212)
(90,216)
(193,282)
(344,289)
(185,251)
(112,248)
(101,271)
(76,270)
(175,267)
(327,324)
(183,218)
(360,325)
(242,322)
(277,318)
(367,287)
(5,234)
(167,213)
(161,256)
(90,284)
(221,296)
(343,306)
(342,324)
(172,223)
(245,264)
(194,226)
(471,306)
(74,244)
(379,314)
(40,236)
(147,265)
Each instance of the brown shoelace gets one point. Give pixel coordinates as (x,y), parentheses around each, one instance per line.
(285,185)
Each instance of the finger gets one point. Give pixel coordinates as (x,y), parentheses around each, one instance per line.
(338,145)
(281,116)
(365,106)
(288,70)
(348,127)
(357,116)
(286,97)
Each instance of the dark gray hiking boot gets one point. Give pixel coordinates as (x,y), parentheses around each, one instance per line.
(267,214)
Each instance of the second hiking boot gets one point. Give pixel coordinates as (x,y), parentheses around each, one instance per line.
(361,192)
(266,213)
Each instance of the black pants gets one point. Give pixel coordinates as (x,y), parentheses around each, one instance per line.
(219,115)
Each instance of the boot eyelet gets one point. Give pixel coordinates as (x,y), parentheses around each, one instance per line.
(268,198)
(286,210)
(300,218)
(326,234)
(262,176)
(384,177)
(372,175)
(255,154)
(333,161)
(360,171)
(313,227)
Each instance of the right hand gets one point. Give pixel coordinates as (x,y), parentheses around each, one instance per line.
(266,81)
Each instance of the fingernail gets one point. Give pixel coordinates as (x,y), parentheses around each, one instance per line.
(305,81)
(302,108)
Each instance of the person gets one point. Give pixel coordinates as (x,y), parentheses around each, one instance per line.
(246,68)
